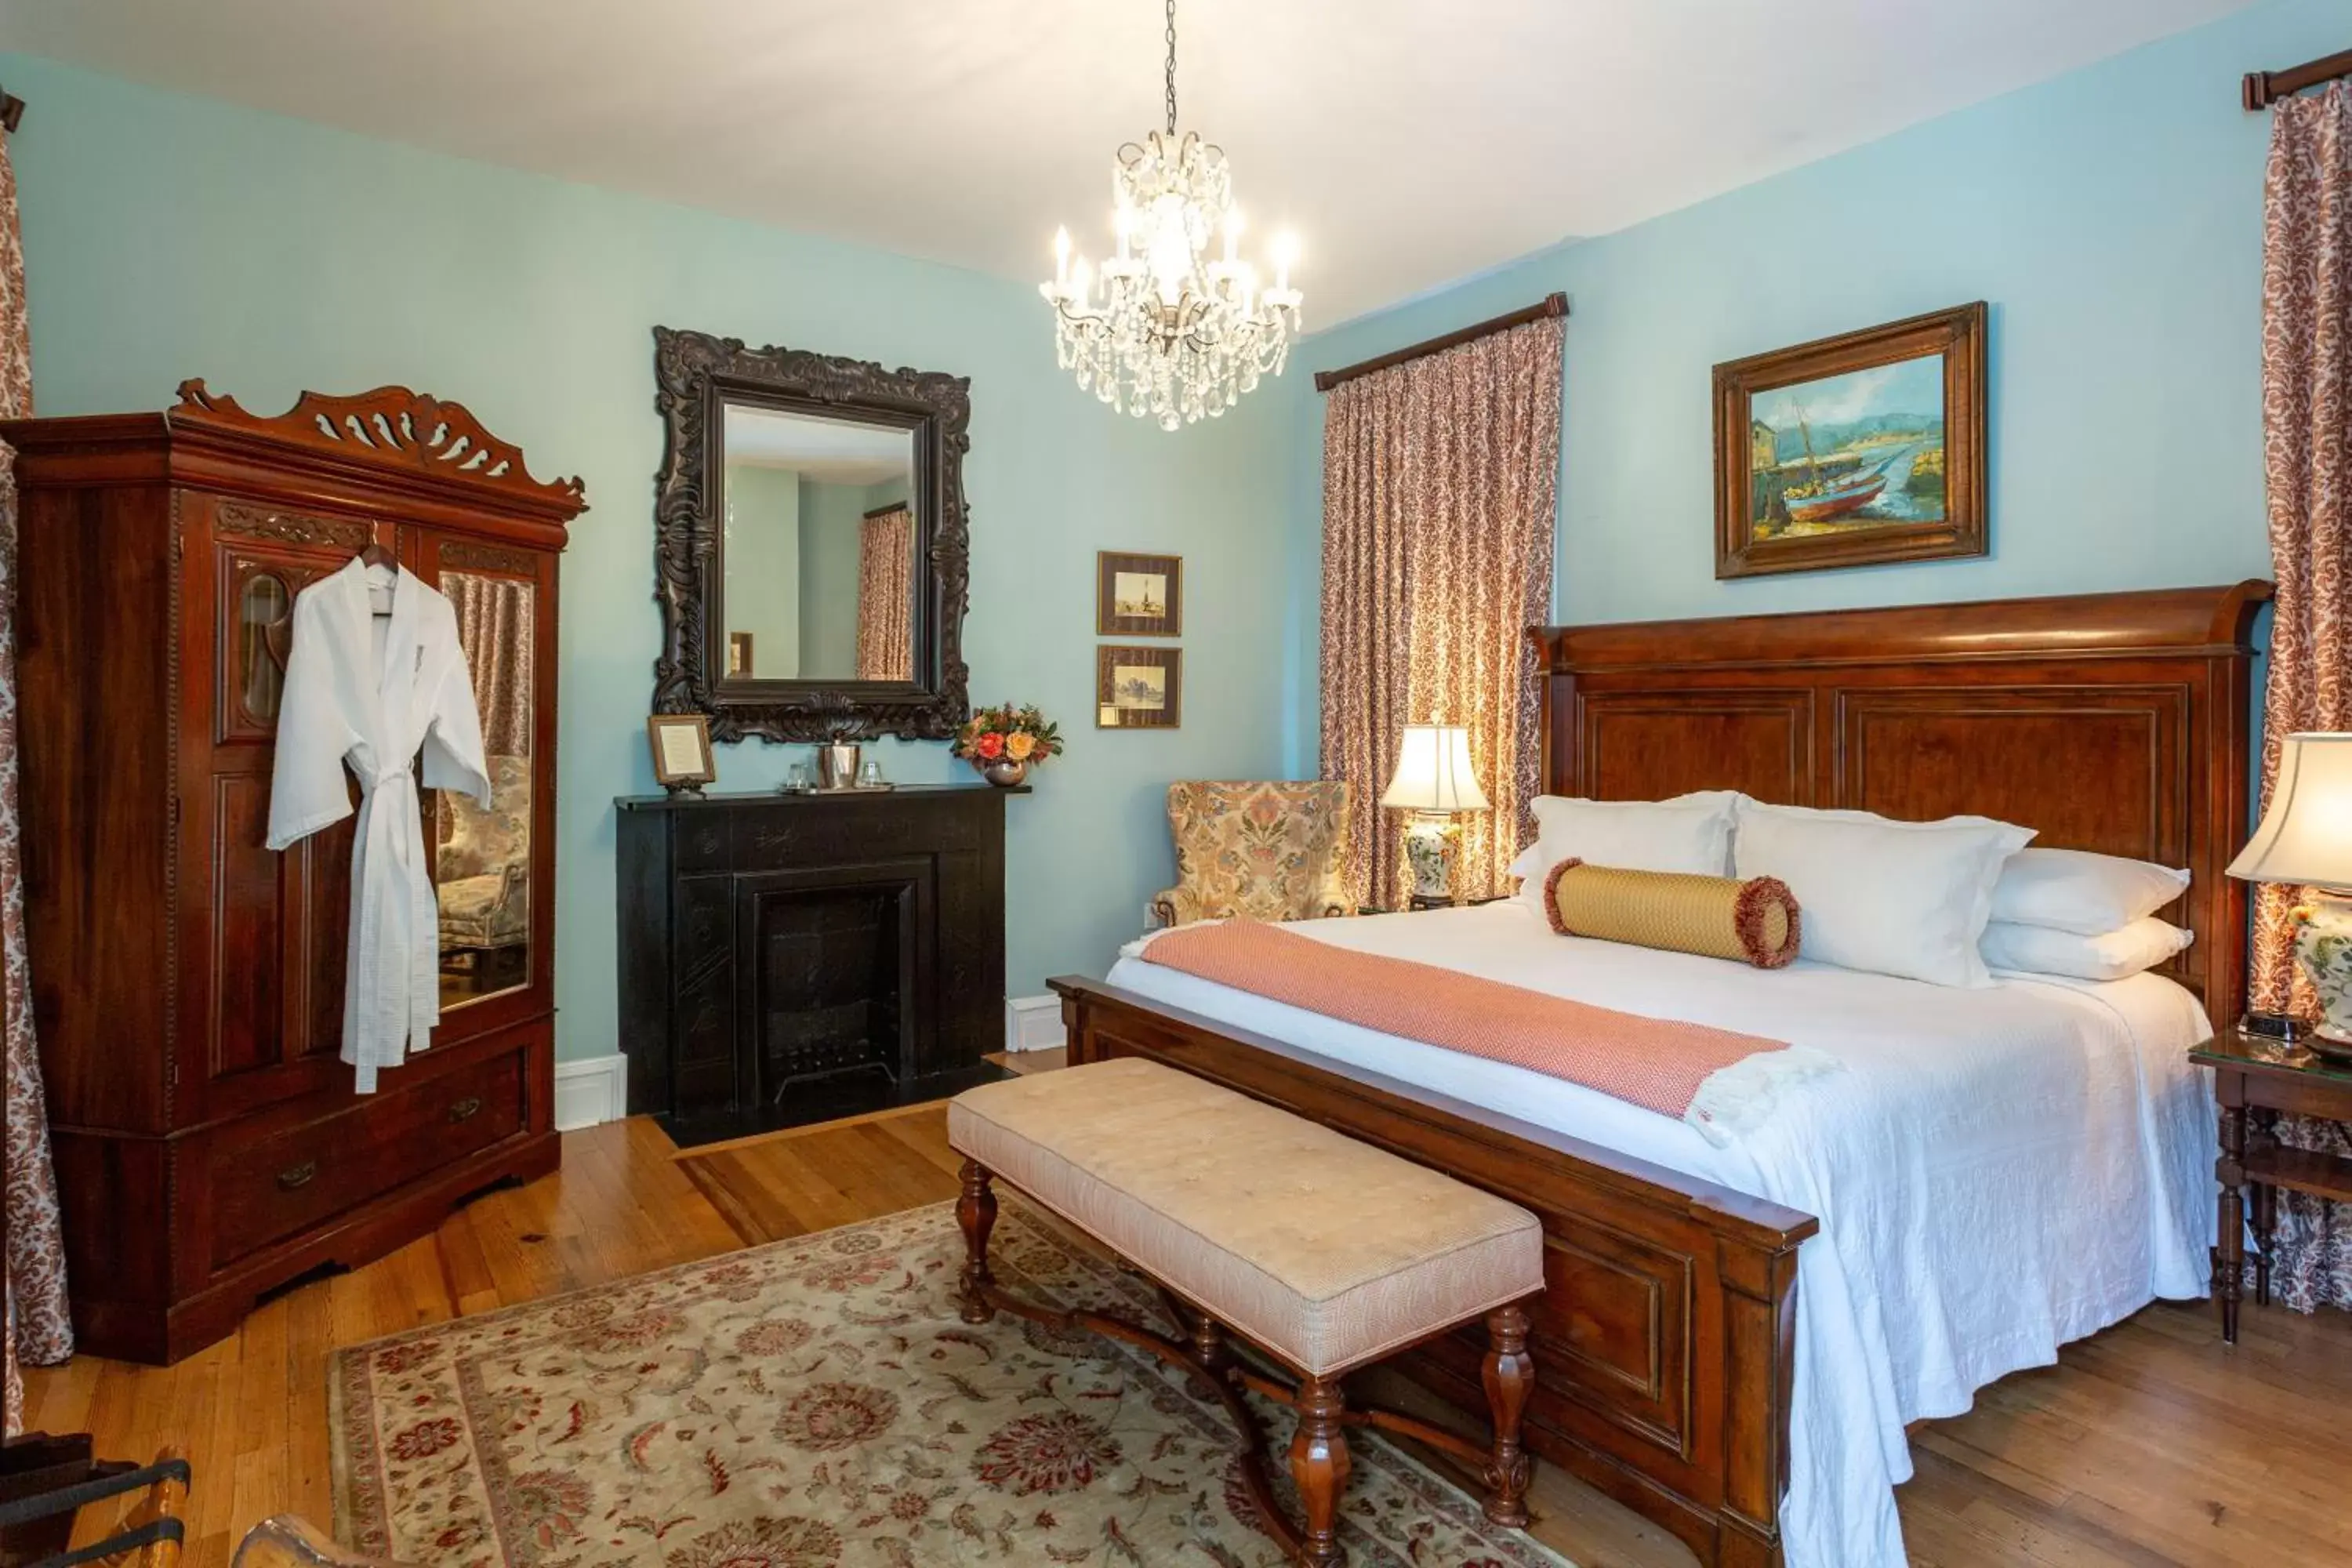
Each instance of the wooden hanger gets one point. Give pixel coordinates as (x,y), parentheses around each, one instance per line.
(376,555)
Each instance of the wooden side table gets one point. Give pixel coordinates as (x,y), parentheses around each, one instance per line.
(2256,1078)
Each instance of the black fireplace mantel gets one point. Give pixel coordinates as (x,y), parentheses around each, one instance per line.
(791,958)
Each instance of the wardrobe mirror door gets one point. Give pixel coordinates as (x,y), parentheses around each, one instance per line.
(482,856)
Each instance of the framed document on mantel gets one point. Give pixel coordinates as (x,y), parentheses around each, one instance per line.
(681,748)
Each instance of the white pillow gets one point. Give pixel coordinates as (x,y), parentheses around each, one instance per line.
(2075,890)
(1895,898)
(1692,835)
(2112,955)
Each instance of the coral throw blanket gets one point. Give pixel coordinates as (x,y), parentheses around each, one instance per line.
(1654,1063)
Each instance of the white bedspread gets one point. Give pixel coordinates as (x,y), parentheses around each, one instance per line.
(1995,1172)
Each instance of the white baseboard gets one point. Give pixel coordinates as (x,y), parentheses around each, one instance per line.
(1033,1023)
(590,1089)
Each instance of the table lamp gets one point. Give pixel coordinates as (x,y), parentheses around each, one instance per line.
(2305,840)
(1433,782)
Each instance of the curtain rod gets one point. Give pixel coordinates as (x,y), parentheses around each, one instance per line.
(1549,306)
(2264,89)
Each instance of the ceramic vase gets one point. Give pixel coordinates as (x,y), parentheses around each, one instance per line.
(1004,772)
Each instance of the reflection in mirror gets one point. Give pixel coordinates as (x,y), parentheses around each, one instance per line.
(263,631)
(818,548)
(482,859)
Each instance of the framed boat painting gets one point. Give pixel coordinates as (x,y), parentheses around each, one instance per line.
(1854,450)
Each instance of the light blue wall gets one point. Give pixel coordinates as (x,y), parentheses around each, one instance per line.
(762,564)
(168,236)
(2112,218)
(830,546)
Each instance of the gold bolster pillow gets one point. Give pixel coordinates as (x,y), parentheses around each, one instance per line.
(1753,922)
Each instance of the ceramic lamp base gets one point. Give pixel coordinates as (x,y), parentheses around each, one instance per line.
(1430,839)
(2323,946)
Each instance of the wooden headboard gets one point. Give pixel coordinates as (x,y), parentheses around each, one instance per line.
(2117,722)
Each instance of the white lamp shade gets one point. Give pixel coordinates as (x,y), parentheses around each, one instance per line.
(2305,837)
(1433,772)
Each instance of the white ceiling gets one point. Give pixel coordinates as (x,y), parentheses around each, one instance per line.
(830,451)
(1406,142)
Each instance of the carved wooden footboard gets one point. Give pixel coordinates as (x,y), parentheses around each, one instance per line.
(1664,1340)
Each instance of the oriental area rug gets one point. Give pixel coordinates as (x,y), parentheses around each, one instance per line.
(817,1401)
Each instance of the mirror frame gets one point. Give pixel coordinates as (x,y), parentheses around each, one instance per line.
(695,375)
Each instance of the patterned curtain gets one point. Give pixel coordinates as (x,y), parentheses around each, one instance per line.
(39,1330)
(2306,448)
(1439,477)
(494,629)
(886,596)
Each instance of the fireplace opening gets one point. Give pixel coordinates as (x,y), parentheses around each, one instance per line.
(832,967)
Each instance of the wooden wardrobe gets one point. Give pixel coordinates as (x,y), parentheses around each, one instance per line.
(187,982)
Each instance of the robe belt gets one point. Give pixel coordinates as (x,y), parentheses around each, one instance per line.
(392,832)
(373,812)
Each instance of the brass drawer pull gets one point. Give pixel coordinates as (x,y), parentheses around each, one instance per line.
(298,1175)
(466,1108)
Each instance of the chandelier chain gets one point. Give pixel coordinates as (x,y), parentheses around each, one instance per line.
(1171,68)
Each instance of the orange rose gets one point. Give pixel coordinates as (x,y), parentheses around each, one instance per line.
(990,745)
(1019,744)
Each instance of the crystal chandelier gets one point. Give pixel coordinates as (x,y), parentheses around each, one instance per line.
(1164,329)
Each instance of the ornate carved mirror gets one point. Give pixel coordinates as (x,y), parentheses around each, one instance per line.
(811,541)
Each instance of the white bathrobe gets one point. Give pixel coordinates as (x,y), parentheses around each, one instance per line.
(375,674)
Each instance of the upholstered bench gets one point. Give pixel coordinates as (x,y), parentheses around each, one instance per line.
(1324,1253)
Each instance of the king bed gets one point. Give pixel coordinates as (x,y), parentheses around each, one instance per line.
(1735,1333)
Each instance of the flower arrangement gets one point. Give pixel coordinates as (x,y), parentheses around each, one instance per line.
(1005,742)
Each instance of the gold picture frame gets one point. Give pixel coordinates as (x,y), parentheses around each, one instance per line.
(680,743)
(1853,451)
(1138,595)
(1139,687)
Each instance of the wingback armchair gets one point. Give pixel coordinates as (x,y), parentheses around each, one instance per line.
(484,868)
(1270,851)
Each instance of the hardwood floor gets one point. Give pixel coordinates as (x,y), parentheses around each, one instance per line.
(2149,1444)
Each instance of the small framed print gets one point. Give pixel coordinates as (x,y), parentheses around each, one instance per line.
(1138,595)
(1139,687)
(681,748)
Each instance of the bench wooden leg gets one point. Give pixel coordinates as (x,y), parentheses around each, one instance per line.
(1509,1374)
(976,1213)
(1209,1346)
(1318,1466)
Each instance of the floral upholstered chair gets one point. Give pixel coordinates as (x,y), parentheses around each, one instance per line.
(1270,851)
(483,870)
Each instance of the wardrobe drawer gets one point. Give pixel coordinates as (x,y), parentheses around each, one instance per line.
(294,1179)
